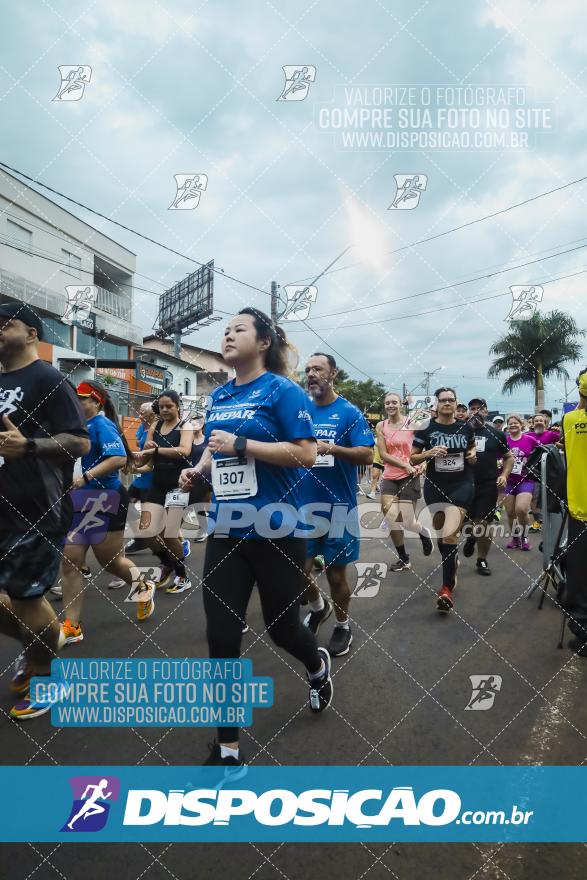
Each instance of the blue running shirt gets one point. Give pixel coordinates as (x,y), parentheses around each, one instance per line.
(333,480)
(270,409)
(106,441)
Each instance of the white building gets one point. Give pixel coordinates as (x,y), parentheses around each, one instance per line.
(43,249)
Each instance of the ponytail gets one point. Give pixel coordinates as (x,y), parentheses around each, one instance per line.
(281,357)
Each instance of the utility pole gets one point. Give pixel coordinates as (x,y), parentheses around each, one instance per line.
(427,374)
(177,341)
(274,289)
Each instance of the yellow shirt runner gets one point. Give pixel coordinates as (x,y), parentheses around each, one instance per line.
(575,438)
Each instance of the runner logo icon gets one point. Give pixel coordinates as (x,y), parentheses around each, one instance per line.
(369,577)
(92,796)
(484,690)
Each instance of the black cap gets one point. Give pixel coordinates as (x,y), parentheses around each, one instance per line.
(480,400)
(23,313)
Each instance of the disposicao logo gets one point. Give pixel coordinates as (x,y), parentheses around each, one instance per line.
(92,796)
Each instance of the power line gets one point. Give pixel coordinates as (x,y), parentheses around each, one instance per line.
(450,286)
(72,242)
(406,247)
(130,229)
(440,308)
(42,256)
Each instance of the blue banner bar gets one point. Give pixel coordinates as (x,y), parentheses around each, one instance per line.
(299,804)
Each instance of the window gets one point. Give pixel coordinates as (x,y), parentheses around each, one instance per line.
(105,348)
(20,234)
(72,262)
(55,332)
(187,387)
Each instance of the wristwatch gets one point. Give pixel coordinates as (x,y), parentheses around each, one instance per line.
(240,445)
(31,447)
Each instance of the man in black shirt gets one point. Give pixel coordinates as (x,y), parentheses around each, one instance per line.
(42,433)
(448,448)
(491,445)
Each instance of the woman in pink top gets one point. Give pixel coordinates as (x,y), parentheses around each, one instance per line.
(519,488)
(400,486)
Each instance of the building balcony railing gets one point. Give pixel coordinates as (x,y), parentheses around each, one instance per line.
(114,303)
(113,315)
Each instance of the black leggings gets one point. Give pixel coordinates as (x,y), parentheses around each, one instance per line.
(231,568)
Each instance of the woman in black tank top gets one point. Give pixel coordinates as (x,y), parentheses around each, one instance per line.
(168,448)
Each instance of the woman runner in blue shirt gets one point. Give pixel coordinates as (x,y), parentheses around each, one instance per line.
(259,435)
(102,505)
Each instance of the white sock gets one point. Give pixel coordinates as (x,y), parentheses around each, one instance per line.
(313,676)
(317,604)
(342,624)
(225,752)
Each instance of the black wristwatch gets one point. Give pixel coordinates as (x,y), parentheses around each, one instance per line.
(31,447)
(240,445)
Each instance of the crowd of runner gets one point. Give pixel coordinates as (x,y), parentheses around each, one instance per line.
(276,467)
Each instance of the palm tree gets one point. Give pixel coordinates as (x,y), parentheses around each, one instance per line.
(536,349)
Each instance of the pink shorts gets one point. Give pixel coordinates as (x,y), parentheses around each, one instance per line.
(517,488)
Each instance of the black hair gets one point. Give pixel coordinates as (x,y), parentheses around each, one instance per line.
(172,395)
(445,388)
(544,412)
(329,358)
(110,411)
(276,360)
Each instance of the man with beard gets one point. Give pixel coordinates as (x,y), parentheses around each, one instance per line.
(344,442)
(42,433)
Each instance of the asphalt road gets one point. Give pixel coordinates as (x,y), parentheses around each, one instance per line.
(400,698)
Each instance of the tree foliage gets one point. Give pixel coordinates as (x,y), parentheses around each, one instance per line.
(536,350)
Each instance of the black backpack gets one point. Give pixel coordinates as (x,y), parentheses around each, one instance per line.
(556,483)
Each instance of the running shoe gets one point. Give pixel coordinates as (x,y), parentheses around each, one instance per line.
(200,538)
(526,544)
(469,546)
(245,628)
(27,708)
(315,619)
(427,545)
(185,546)
(116,584)
(137,545)
(401,565)
(497,515)
(22,675)
(166,579)
(444,602)
(319,563)
(179,585)
(536,526)
(340,641)
(370,496)
(86,571)
(145,609)
(57,590)
(483,568)
(320,693)
(234,768)
(72,632)
(514,544)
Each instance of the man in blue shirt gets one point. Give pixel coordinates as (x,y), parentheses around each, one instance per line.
(345,441)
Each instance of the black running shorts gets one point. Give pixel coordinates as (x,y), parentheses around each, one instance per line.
(484,500)
(30,563)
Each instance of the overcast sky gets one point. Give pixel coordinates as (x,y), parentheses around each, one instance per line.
(181,87)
